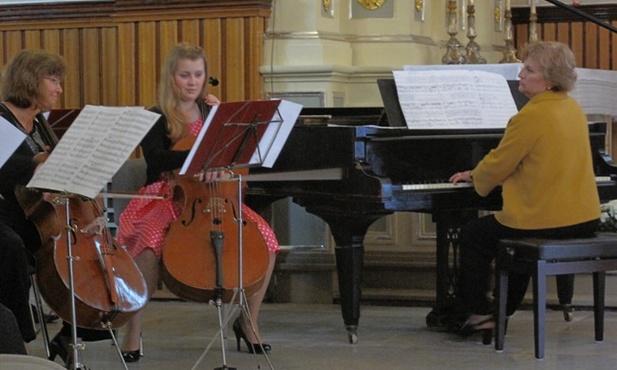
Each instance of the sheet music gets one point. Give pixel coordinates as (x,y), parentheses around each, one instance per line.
(280,122)
(595,91)
(11,140)
(509,71)
(92,150)
(276,134)
(454,99)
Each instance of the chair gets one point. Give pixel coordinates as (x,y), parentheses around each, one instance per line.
(545,257)
(129,179)
(39,311)
(11,341)
(22,362)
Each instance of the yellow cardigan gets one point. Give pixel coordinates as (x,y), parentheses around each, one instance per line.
(544,165)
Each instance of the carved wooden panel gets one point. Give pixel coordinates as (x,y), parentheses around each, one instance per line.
(593,45)
(114,49)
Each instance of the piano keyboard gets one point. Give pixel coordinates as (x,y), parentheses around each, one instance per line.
(463,185)
(436,186)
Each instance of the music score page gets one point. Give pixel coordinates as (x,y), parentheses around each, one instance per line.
(11,140)
(93,149)
(454,99)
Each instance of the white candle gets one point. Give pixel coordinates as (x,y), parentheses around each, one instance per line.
(507,4)
(533,6)
(470,2)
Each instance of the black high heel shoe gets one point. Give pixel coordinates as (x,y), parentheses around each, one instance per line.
(134,356)
(253,347)
(484,327)
(131,356)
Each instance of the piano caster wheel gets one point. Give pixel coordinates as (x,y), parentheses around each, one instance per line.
(568,312)
(352,334)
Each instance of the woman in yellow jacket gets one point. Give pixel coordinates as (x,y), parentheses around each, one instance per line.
(544,166)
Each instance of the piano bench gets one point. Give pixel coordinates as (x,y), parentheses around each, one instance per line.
(545,257)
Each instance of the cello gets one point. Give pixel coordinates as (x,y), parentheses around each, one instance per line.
(108,286)
(201,250)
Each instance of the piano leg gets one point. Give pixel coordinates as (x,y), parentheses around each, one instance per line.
(447,308)
(349,262)
(348,233)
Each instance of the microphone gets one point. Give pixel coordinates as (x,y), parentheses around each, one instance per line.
(213,81)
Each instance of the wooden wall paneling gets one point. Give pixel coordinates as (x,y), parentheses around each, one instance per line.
(127,62)
(521,35)
(189,31)
(168,37)
(234,58)
(72,95)
(604,48)
(613,49)
(113,53)
(255,28)
(51,41)
(563,32)
(13,44)
(549,32)
(109,66)
(212,43)
(576,43)
(591,45)
(3,56)
(32,39)
(90,46)
(147,72)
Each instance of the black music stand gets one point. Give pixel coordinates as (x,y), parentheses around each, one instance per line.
(84,175)
(231,138)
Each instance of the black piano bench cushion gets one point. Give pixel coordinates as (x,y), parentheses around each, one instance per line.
(603,245)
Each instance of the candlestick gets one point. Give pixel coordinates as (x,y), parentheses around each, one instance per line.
(473,49)
(509,52)
(533,20)
(453,55)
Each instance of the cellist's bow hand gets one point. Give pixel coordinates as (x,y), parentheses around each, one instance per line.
(212,176)
(39,159)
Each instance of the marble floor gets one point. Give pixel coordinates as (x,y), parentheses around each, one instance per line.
(305,336)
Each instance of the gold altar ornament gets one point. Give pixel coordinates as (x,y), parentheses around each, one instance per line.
(371,4)
(326,5)
(419,5)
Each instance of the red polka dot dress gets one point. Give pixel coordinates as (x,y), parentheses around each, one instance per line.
(145,222)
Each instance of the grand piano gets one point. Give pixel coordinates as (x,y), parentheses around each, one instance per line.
(387,170)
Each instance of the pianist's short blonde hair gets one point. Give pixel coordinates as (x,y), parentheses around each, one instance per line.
(557,61)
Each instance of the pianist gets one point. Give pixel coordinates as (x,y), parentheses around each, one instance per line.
(544,166)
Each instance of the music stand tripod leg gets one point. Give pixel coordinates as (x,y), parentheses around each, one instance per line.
(107,324)
(77,345)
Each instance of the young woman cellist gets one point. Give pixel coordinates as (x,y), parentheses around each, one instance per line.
(145,223)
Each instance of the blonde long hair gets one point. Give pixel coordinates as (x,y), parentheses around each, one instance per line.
(169,94)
